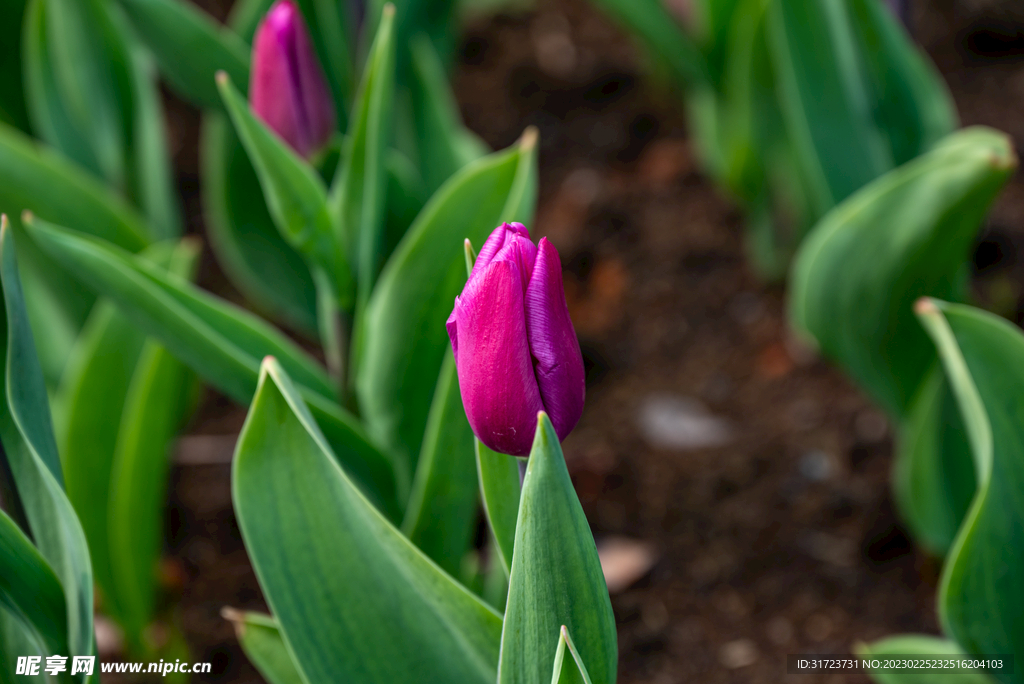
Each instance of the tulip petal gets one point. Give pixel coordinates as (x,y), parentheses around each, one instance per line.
(495,368)
(557,360)
(495,242)
(271,88)
(523,253)
(315,94)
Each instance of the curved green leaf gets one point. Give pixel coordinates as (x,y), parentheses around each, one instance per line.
(440,517)
(358,194)
(260,637)
(219,341)
(267,270)
(322,554)
(556,576)
(30,590)
(903,236)
(925,646)
(981,593)
(28,442)
(189,47)
(401,343)
(28,176)
(569,667)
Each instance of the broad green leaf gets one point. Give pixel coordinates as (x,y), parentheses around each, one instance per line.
(440,517)
(500,492)
(358,194)
(15,642)
(189,47)
(262,642)
(903,236)
(659,33)
(29,590)
(556,576)
(322,554)
(92,393)
(91,75)
(28,442)
(222,343)
(825,99)
(923,645)
(933,473)
(569,667)
(441,138)
(28,176)
(50,119)
(56,303)
(153,404)
(138,483)
(981,592)
(295,194)
(912,104)
(400,346)
(270,273)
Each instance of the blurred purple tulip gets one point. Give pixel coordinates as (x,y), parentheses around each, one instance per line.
(515,348)
(288,90)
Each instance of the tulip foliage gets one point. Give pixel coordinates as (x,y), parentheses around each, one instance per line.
(794,105)
(356,480)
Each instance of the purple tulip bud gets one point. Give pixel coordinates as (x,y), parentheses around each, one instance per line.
(515,348)
(287,89)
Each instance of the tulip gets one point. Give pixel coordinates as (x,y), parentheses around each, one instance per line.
(516,351)
(288,90)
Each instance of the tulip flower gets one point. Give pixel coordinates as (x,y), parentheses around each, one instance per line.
(288,90)
(515,349)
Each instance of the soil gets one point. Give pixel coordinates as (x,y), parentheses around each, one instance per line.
(778,534)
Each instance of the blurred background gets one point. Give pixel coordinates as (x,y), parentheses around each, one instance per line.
(737,485)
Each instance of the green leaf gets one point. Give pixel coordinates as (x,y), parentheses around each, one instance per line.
(15,642)
(138,483)
(569,667)
(440,517)
(500,491)
(358,195)
(28,442)
(152,181)
(93,394)
(28,176)
(295,194)
(30,590)
(322,554)
(221,342)
(406,197)
(556,576)
(922,645)
(441,138)
(825,99)
(911,103)
(262,642)
(189,47)
(402,340)
(269,272)
(903,236)
(933,474)
(981,592)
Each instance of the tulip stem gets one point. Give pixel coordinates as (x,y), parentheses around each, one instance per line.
(332,330)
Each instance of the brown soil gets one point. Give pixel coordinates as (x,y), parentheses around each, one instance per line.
(781,540)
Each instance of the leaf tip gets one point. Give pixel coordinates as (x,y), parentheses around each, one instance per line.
(236,618)
(925,306)
(528,141)
(222,78)
(389,10)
